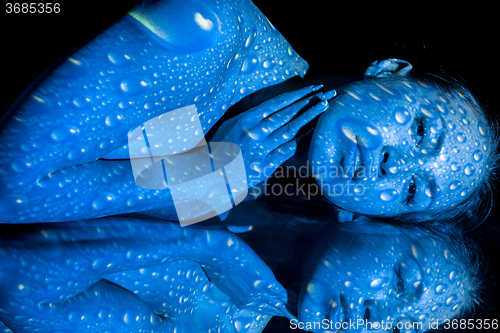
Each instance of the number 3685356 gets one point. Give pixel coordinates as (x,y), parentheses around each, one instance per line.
(32,8)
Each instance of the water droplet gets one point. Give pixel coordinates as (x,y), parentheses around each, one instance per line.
(188,26)
(73,67)
(250,63)
(478,156)
(455,185)
(386,195)
(455,166)
(81,101)
(376,283)
(482,130)
(268,64)
(353,128)
(119,59)
(60,134)
(251,38)
(402,116)
(441,289)
(134,86)
(461,138)
(442,109)
(109,120)
(469,169)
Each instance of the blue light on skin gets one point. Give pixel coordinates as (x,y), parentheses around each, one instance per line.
(52,275)
(159,58)
(370,266)
(391,146)
(52,278)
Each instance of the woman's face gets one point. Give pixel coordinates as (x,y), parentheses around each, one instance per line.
(375,273)
(387,147)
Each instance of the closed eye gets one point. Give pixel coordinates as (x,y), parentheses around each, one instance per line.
(400,285)
(418,130)
(412,193)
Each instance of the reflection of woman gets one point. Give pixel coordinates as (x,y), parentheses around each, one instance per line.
(61,171)
(131,275)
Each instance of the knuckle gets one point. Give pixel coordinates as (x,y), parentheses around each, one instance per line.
(286,131)
(281,100)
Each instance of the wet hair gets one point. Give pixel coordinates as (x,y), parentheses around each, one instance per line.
(461,251)
(475,208)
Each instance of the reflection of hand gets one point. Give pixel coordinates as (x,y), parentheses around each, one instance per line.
(181,292)
(265,133)
(245,278)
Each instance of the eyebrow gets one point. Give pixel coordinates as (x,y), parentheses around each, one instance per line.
(433,188)
(440,140)
(430,180)
(423,275)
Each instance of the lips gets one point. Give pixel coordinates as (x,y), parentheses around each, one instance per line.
(338,312)
(335,313)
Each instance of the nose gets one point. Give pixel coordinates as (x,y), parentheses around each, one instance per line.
(392,162)
(371,316)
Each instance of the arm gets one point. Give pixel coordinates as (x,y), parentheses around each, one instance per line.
(83,111)
(56,265)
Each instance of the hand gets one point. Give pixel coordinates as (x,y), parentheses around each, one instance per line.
(265,133)
(240,274)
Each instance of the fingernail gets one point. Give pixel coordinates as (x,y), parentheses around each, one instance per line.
(323,104)
(331,94)
(318,87)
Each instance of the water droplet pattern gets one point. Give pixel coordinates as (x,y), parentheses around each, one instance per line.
(153,281)
(157,59)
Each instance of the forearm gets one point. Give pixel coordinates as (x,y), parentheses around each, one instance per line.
(85,252)
(94,189)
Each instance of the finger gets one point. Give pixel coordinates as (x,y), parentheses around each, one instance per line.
(276,120)
(289,130)
(282,101)
(329,94)
(262,308)
(279,155)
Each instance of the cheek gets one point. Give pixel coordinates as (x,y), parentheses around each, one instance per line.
(370,197)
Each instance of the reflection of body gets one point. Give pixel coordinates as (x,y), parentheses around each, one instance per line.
(127,275)
(52,279)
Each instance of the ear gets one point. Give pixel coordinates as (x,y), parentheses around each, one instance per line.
(387,68)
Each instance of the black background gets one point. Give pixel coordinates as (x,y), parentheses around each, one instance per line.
(460,40)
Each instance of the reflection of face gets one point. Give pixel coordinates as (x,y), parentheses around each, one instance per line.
(387,147)
(374,272)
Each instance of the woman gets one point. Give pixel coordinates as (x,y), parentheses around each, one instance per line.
(85,108)
(127,275)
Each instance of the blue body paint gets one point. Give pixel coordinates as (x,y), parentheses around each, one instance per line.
(51,148)
(52,279)
(56,166)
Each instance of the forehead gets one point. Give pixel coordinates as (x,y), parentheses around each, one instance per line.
(444,284)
